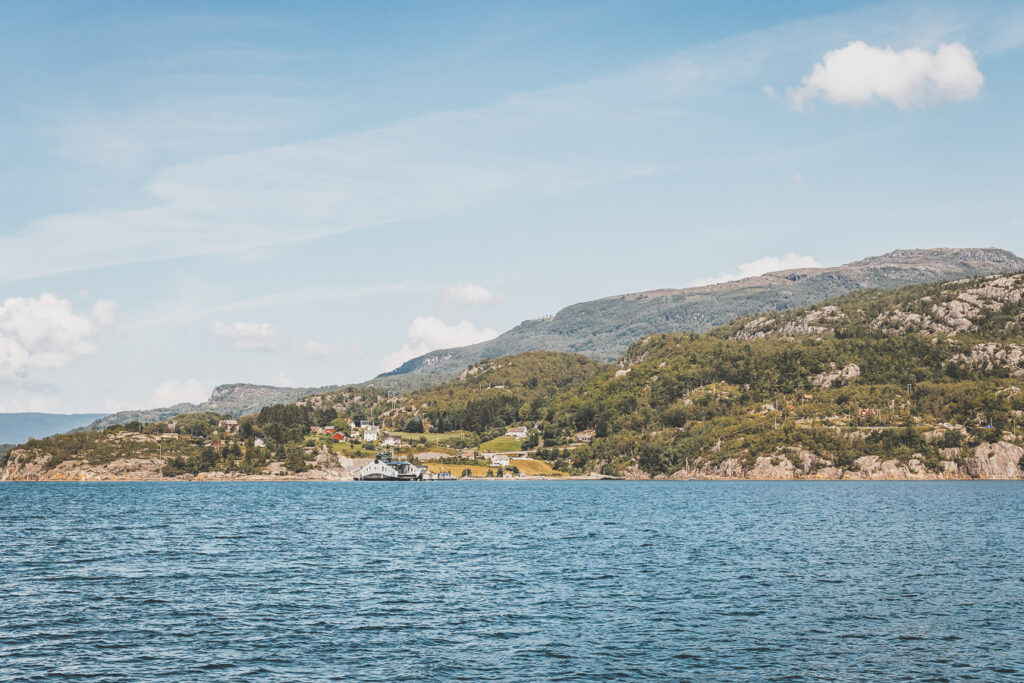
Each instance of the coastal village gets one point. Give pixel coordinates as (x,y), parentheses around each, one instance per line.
(438,463)
(347,450)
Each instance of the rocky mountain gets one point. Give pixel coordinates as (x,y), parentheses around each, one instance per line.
(227,399)
(921,382)
(19,427)
(605,328)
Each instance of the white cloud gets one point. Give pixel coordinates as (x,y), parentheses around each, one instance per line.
(768,264)
(427,333)
(860,73)
(42,333)
(249,336)
(173,392)
(468,293)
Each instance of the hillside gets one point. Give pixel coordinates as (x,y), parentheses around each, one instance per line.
(923,382)
(920,382)
(227,399)
(605,328)
(494,393)
(19,427)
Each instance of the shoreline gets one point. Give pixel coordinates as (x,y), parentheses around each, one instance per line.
(297,480)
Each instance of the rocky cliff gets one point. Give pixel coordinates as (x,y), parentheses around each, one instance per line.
(1002,460)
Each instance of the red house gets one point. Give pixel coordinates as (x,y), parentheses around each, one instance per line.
(338,436)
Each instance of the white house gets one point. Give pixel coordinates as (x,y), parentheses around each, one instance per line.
(500,460)
(259,443)
(229,426)
(518,432)
(393,441)
(371,433)
(586,436)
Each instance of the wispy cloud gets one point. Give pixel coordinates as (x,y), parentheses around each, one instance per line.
(316,294)
(314,349)
(528,144)
(468,293)
(249,336)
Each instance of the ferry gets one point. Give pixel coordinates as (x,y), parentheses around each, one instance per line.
(383,468)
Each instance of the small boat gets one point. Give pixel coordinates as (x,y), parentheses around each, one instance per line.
(385,468)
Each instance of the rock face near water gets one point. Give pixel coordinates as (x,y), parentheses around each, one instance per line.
(996,461)
(26,464)
(1000,460)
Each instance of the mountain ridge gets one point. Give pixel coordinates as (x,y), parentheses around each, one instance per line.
(234,399)
(604,328)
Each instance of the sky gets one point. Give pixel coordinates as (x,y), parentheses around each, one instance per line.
(310,193)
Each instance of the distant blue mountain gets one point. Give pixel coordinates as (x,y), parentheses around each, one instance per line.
(20,427)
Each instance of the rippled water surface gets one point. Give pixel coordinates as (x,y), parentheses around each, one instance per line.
(512,581)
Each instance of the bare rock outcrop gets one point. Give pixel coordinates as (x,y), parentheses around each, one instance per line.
(990,356)
(872,467)
(816,322)
(996,461)
(34,465)
(772,467)
(957,314)
(844,374)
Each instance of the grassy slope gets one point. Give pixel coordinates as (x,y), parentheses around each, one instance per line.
(501,444)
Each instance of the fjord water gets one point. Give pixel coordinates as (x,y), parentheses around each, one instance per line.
(512,581)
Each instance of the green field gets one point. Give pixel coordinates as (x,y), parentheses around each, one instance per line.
(532,468)
(352,450)
(502,444)
(440,439)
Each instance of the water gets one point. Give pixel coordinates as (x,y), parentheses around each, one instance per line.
(754,581)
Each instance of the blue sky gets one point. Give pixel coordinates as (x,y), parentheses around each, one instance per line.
(308,193)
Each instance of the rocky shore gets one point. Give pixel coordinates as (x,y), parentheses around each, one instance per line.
(1001,460)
